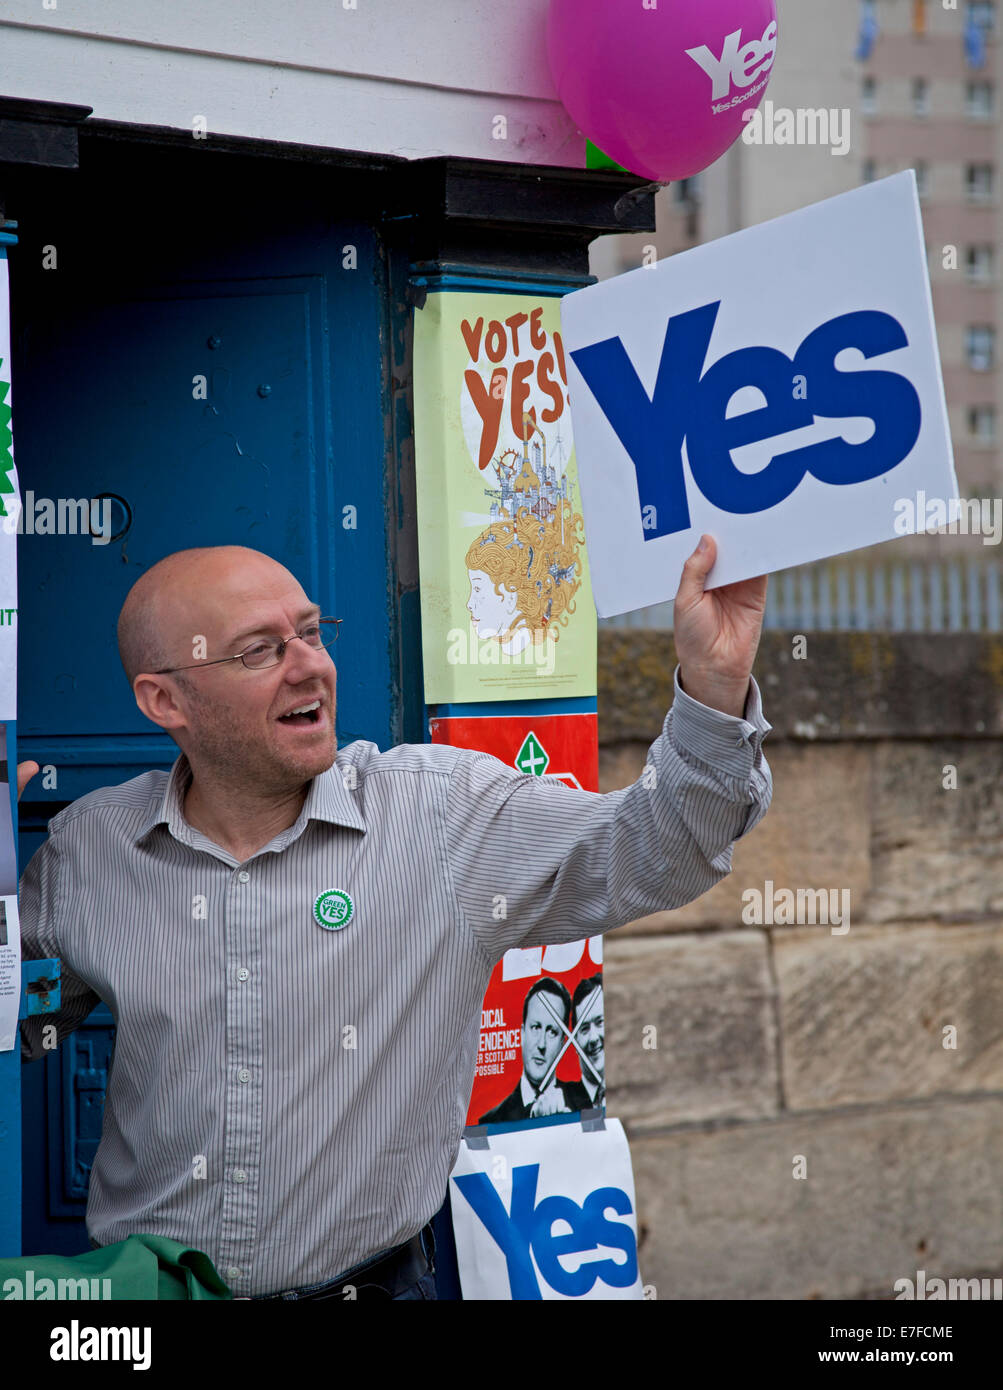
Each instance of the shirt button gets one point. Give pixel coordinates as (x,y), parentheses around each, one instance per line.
(243,876)
(243,1074)
(242,974)
(239,1175)
(233,1272)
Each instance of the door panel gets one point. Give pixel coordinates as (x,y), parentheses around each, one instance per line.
(171,471)
(290,433)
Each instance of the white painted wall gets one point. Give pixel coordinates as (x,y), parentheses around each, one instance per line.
(413,78)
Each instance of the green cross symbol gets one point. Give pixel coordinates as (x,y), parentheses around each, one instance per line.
(531,757)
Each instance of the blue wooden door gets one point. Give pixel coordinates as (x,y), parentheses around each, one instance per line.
(284,450)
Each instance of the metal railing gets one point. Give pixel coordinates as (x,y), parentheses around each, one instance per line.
(963,594)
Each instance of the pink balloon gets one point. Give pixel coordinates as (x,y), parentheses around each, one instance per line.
(661,91)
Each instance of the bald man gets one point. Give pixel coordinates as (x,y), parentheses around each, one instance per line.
(295,939)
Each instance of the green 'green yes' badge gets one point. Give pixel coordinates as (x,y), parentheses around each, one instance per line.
(333,909)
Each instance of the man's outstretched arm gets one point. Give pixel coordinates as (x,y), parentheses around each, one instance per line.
(533,861)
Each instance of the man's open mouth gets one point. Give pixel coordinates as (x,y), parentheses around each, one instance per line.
(302,714)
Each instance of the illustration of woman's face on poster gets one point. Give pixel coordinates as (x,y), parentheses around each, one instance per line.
(490,611)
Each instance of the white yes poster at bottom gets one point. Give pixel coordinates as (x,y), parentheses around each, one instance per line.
(546,1213)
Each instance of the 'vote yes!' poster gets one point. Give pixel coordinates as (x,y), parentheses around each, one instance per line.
(506,603)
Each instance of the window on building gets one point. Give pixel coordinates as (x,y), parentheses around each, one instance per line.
(687,191)
(982,423)
(920,96)
(869,171)
(922,178)
(980,100)
(980,182)
(983,13)
(868,96)
(980,347)
(980,264)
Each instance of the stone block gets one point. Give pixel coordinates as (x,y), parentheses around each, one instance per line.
(937,851)
(710,1000)
(862,1016)
(887,1192)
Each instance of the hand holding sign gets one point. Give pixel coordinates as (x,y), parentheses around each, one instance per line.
(717,632)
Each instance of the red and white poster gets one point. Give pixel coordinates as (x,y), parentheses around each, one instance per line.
(542,1035)
(541,1049)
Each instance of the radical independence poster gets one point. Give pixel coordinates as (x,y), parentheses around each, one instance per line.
(541,1049)
(506,602)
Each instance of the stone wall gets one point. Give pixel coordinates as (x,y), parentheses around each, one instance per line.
(870,1059)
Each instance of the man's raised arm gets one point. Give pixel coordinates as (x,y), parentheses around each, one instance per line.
(533,861)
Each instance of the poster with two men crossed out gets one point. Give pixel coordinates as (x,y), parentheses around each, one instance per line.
(542,1048)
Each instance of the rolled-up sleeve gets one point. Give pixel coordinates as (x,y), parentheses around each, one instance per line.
(534,861)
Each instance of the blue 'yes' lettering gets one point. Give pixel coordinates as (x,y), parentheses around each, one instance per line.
(690,404)
(530,1225)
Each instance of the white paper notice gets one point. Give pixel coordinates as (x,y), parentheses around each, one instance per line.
(10,506)
(10,936)
(10,972)
(779,389)
(8,856)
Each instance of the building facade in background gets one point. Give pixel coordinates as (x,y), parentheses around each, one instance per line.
(904,84)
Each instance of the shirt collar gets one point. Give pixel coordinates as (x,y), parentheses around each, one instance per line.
(327,799)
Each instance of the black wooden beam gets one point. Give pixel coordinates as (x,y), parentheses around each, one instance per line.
(40,132)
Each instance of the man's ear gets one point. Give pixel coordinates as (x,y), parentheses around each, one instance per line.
(156,697)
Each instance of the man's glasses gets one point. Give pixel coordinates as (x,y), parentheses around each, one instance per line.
(269,651)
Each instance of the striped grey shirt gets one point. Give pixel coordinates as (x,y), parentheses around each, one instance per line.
(291,1099)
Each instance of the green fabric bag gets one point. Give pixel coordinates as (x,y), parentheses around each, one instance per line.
(140,1267)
